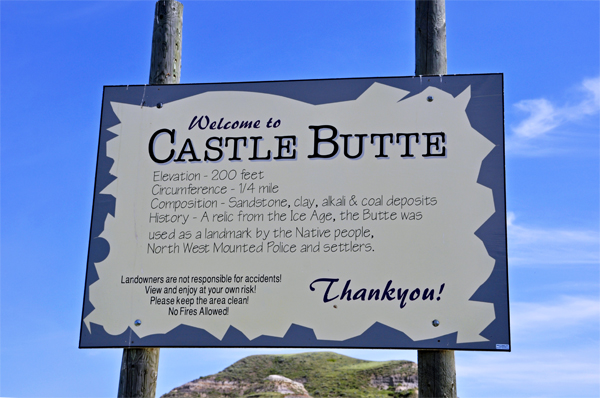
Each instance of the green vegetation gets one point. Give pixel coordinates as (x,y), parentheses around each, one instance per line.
(324,374)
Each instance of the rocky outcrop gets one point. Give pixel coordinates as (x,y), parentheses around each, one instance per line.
(284,386)
(210,387)
(402,379)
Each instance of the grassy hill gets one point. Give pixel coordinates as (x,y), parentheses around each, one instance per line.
(323,374)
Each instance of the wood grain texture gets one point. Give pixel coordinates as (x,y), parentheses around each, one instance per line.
(165,64)
(437,369)
(139,372)
(430,37)
(139,366)
(437,374)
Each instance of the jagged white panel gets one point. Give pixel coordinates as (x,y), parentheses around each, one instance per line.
(440,249)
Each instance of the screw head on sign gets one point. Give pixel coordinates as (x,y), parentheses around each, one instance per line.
(159,105)
(435,323)
(137,322)
(430,99)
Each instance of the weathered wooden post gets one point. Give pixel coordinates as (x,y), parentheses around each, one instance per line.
(437,371)
(139,366)
(430,37)
(437,374)
(165,65)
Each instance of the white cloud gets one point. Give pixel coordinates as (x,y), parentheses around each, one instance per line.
(551,372)
(547,124)
(535,246)
(543,117)
(554,353)
(592,104)
(563,314)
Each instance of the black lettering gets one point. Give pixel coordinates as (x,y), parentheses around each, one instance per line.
(214,148)
(346,291)
(360,294)
(151,145)
(246,125)
(290,140)
(255,150)
(435,143)
(428,294)
(331,281)
(318,141)
(195,123)
(235,155)
(382,143)
(407,153)
(402,297)
(415,294)
(189,151)
(374,294)
(388,292)
(361,138)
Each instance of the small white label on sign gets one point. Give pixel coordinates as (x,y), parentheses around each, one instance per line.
(502,347)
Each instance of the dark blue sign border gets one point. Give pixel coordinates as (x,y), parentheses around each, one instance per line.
(486,115)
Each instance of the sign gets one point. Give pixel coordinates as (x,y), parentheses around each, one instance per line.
(321,213)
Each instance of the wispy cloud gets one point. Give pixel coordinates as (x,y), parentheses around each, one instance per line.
(551,372)
(547,124)
(565,313)
(536,246)
(554,353)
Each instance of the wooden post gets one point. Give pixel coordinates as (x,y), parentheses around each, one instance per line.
(139,367)
(165,65)
(430,37)
(437,374)
(139,372)
(437,371)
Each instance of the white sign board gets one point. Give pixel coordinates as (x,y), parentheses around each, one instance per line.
(243,215)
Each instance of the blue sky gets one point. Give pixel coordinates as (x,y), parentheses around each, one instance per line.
(57,56)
